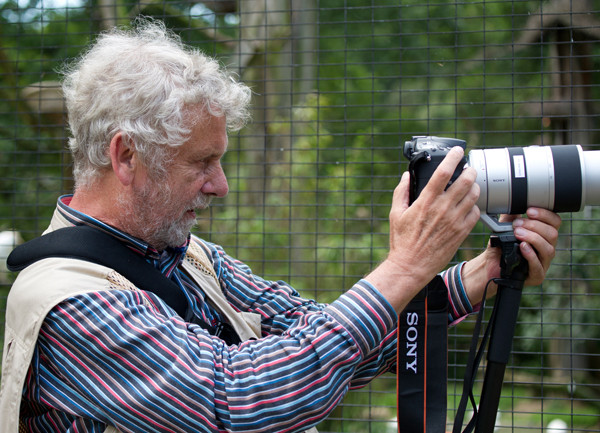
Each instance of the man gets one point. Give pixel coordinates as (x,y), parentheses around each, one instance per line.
(87,350)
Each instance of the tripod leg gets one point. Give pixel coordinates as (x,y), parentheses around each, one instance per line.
(503,329)
(513,271)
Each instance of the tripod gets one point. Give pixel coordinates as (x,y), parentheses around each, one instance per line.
(513,272)
(500,331)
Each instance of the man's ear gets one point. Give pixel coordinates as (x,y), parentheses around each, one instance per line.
(123,158)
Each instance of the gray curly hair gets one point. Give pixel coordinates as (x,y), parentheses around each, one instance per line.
(140,82)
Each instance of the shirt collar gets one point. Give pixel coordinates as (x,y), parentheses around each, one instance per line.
(166,260)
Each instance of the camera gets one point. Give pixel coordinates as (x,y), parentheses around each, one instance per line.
(562,178)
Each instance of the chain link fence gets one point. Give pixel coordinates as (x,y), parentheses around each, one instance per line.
(339,85)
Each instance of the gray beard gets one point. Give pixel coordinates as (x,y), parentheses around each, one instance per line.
(140,216)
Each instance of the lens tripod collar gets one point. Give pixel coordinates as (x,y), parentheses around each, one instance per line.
(495,225)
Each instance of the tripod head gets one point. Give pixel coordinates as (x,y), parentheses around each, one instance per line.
(512,264)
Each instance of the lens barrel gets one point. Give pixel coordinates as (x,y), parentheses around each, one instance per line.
(560,178)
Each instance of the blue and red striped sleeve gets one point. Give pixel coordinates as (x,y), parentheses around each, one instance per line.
(125,358)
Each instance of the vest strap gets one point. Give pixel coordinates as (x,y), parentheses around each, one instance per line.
(93,245)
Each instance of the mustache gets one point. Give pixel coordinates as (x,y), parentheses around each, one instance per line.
(202,201)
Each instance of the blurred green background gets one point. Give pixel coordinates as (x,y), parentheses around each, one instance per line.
(339,85)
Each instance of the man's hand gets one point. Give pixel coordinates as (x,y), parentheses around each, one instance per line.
(425,235)
(538,234)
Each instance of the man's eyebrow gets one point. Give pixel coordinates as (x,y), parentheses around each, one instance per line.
(211,155)
(218,155)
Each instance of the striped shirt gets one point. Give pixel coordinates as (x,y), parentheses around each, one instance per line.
(126,359)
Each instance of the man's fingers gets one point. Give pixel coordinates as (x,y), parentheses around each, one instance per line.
(402,191)
(544,215)
(542,226)
(443,173)
(538,235)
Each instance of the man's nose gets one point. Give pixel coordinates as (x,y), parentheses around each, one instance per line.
(217,183)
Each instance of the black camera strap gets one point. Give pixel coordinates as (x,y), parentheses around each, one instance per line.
(422,361)
(93,245)
(475,356)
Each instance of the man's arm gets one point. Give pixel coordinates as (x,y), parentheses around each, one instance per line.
(125,358)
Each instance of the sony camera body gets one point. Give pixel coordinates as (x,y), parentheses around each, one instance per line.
(424,155)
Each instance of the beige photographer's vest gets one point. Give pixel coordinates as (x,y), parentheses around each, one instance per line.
(46,283)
